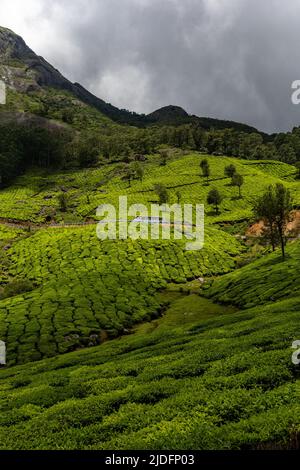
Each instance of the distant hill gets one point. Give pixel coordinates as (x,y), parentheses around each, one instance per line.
(25,72)
(169,114)
(175,115)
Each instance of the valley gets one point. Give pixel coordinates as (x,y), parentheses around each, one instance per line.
(183,372)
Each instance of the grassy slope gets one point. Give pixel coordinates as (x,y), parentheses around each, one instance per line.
(32,197)
(84,287)
(267,279)
(212,380)
(53,104)
(83,290)
(8,235)
(202,376)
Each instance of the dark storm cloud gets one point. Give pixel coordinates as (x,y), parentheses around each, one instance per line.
(232,59)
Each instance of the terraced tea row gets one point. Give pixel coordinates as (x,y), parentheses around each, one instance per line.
(36,198)
(8,235)
(225,382)
(265,280)
(86,290)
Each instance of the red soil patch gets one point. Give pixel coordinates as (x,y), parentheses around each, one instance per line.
(293,227)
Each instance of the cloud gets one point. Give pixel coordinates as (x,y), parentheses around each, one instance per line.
(232,59)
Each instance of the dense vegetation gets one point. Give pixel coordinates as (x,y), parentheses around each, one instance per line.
(35,196)
(142,344)
(266,280)
(209,379)
(84,291)
(198,375)
(53,129)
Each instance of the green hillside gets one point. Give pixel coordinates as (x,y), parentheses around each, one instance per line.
(83,290)
(268,279)
(142,344)
(191,373)
(34,196)
(209,379)
(63,289)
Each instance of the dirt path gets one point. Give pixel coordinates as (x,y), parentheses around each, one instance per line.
(21,224)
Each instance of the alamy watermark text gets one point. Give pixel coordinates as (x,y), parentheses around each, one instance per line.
(162,222)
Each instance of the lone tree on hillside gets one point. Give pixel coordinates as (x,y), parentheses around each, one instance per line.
(238,181)
(162,193)
(164,155)
(214,199)
(139,171)
(178,196)
(129,174)
(275,207)
(204,165)
(230,170)
(63,201)
(206,173)
(297,165)
(264,208)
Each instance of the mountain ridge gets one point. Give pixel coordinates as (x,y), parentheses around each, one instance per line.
(23,70)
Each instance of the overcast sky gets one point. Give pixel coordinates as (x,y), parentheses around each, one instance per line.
(231,59)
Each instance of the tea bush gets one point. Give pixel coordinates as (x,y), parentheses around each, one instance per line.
(225,382)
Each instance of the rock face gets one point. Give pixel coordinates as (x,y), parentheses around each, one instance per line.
(12,46)
(24,71)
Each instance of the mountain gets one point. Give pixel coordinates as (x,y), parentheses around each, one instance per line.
(25,72)
(175,115)
(169,114)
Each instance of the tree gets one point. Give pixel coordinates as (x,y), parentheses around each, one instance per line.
(238,181)
(164,155)
(129,174)
(287,154)
(204,165)
(264,209)
(88,151)
(284,206)
(178,196)
(162,193)
(139,171)
(63,202)
(275,207)
(214,199)
(298,170)
(206,172)
(230,170)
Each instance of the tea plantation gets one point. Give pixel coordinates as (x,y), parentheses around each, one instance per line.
(34,197)
(142,344)
(215,380)
(82,286)
(265,280)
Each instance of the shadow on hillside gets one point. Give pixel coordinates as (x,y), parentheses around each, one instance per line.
(213,213)
(278,259)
